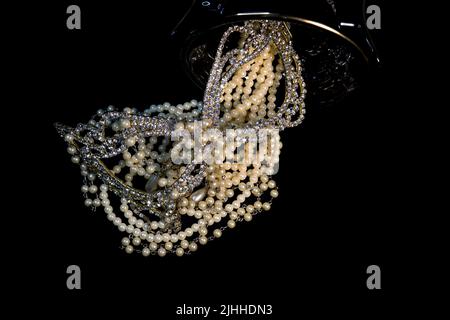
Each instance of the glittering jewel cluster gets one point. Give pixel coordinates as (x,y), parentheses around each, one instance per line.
(126,157)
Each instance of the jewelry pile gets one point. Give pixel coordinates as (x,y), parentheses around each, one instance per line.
(176,194)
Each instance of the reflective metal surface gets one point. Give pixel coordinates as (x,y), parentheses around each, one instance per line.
(330,37)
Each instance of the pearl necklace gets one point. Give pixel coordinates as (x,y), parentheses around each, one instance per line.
(166,207)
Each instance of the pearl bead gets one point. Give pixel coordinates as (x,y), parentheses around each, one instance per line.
(69,138)
(146,252)
(248,217)
(231,224)
(198,195)
(168,246)
(88,202)
(166,237)
(153,246)
(193,246)
(154,225)
(173,238)
(136,241)
(179,252)
(274,193)
(162,182)
(129,249)
(271,184)
(130,142)
(217,233)
(161,252)
(158,238)
(128,214)
(203,231)
(139,223)
(184,244)
(75,159)
(203,240)
(143,235)
(125,241)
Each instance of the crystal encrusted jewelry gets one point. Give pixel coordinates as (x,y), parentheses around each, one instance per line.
(169,192)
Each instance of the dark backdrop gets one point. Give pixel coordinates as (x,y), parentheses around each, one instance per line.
(338,210)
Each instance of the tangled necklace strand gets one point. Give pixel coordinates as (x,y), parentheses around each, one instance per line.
(167,207)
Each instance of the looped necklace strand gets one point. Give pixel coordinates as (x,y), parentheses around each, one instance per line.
(167,207)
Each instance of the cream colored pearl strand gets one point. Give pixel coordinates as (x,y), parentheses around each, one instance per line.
(229,186)
(245,101)
(162,243)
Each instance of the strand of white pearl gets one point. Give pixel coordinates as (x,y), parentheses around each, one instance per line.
(249,100)
(135,165)
(201,228)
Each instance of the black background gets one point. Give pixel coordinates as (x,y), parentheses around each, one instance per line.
(340,208)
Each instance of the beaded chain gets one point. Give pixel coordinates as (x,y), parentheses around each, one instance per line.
(126,157)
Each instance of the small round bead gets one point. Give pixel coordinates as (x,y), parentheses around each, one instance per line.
(161,252)
(162,182)
(146,252)
(168,246)
(139,223)
(217,233)
(184,244)
(179,252)
(129,249)
(125,241)
(136,241)
(143,235)
(203,231)
(68,138)
(203,240)
(193,246)
(75,159)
